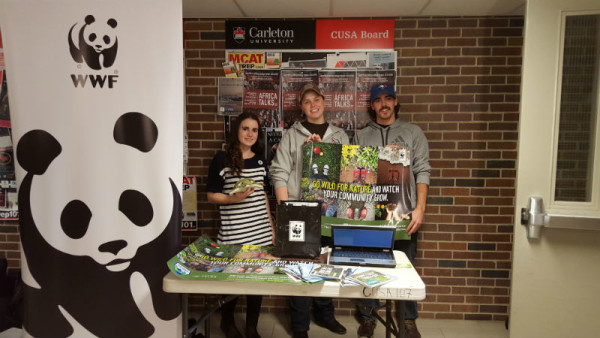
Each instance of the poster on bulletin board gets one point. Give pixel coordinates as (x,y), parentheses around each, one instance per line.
(190,204)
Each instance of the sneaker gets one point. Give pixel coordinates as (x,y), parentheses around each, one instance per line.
(410,329)
(366,328)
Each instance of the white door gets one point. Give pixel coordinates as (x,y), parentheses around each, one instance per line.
(556,278)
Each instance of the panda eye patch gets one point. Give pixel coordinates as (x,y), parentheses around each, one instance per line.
(75,219)
(136,207)
(136,130)
(92,37)
(106,39)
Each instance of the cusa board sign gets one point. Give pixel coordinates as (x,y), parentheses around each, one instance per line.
(355,34)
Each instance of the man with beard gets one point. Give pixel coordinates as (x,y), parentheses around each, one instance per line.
(386,130)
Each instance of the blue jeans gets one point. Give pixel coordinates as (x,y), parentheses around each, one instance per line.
(300,311)
(364,306)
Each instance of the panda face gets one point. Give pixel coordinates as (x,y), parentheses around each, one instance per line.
(100,35)
(90,221)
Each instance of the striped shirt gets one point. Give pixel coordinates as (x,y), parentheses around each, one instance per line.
(245,222)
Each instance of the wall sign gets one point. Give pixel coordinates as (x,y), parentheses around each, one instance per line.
(276,34)
(355,34)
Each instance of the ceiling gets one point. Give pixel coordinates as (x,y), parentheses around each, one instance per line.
(231,9)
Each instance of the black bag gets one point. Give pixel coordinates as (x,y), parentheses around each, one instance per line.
(298,229)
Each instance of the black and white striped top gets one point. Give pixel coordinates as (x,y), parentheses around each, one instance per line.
(246,222)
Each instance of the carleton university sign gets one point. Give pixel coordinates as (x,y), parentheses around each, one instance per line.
(293,34)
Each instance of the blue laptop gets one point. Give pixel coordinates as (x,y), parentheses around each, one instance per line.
(363,245)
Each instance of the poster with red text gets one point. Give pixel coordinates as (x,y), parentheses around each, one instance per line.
(292,81)
(261,96)
(339,89)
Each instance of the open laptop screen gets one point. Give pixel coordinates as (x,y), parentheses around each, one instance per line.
(362,237)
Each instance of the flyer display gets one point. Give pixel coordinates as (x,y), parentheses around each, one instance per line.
(205,259)
(339,89)
(190,204)
(261,96)
(358,185)
(292,81)
(231,91)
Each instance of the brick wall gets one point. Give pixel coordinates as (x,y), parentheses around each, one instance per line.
(459,79)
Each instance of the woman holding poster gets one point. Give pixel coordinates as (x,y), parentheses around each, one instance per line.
(236,181)
(286,174)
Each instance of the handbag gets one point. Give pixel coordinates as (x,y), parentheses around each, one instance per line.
(298,229)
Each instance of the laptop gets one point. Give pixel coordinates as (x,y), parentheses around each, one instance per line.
(363,245)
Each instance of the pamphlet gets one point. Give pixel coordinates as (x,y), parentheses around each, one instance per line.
(331,272)
(371,278)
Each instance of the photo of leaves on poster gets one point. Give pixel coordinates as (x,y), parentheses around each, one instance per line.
(358,185)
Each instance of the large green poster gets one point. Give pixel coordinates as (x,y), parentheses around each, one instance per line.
(358,185)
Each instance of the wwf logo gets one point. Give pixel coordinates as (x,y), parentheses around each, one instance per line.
(239,34)
(96,43)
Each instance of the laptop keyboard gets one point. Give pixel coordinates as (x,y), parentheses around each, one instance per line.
(363,254)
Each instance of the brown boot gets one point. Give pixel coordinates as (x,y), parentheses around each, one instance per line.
(366,328)
(410,328)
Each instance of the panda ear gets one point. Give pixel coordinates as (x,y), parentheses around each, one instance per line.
(112,23)
(89,19)
(136,130)
(36,150)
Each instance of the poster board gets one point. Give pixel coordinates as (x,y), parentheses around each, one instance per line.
(358,185)
(205,259)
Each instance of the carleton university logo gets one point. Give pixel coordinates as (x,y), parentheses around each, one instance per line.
(239,34)
(94,43)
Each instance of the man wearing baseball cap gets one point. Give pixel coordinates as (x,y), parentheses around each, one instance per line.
(386,129)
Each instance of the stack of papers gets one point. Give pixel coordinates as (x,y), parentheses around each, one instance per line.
(329,272)
(345,275)
(370,278)
(302,273)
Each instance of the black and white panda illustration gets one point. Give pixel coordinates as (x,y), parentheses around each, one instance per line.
(96,41)
(87,271)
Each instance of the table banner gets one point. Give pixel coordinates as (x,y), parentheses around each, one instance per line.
(207,260)
(358,185)
(96,96)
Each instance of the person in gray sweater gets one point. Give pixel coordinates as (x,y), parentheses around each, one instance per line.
(286,174)
(386,130)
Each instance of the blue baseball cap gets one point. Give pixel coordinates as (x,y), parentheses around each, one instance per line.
(382,88)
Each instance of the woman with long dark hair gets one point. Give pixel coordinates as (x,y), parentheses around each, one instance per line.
(245,215)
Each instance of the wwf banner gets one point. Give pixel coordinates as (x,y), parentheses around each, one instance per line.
(358,185)
(96,96)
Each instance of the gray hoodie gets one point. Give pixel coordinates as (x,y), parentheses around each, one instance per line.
(286,168)
(405,135)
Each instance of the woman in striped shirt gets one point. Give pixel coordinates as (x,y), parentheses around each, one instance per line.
(245,215)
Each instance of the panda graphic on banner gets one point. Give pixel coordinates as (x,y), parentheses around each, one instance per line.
(97,288)
(100,183)
(96,41)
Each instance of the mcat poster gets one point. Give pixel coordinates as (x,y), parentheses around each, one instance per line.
(358,185)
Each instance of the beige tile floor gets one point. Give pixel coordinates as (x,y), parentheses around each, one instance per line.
(273,325)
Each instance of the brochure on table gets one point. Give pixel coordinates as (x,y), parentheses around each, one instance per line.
(205,259)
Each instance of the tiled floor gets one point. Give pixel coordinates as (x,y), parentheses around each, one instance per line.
(277,325)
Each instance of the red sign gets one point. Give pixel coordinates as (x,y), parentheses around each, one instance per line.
(355,34)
